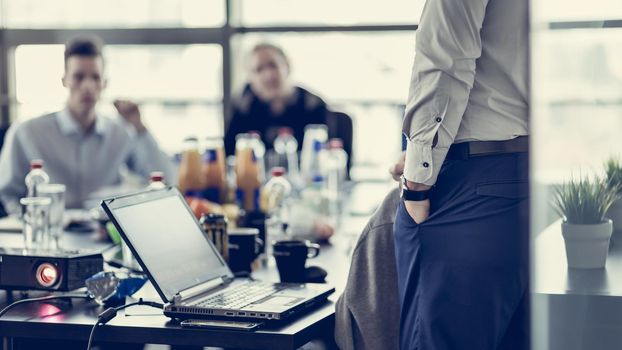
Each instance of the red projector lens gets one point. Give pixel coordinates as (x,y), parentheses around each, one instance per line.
(47,275)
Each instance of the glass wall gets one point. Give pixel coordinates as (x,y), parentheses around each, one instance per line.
(327,12)
(576,122)
(112,13)
(184,79)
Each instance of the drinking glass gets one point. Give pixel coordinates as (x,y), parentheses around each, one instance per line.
(35,216)
(56,192)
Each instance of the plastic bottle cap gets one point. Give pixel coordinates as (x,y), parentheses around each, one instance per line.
(36,164)
(318,178)
(335,143)
(156,176)
(286,131)
(277,171)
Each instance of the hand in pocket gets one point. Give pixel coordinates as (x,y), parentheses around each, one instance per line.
(418,211)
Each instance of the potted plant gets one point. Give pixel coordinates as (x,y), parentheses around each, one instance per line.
(583,205)
(613,169)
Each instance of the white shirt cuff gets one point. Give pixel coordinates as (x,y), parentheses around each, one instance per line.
(423,163)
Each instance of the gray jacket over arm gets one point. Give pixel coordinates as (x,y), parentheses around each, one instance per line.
(368,312)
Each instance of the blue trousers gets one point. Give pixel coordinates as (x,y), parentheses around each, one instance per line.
(463,273)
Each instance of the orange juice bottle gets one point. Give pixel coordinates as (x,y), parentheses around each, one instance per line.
(191,181)
(214,170)
(248,180)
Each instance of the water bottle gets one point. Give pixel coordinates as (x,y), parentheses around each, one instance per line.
(314,196)
(334,161)
(276,191)
(314,163)
(286,153)
(35,177)
(335,166)
(274,197)
(313,143)
(156,181)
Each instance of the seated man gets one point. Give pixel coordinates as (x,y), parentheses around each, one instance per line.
(270,101)
(81,149)
(368,312)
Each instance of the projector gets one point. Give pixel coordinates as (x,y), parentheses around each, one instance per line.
(40,269)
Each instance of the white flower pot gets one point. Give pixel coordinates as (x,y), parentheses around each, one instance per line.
(587,245)
(615,214)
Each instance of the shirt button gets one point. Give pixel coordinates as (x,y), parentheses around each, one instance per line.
(426,164)
(438,119)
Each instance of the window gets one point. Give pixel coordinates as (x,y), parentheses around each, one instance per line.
(560,10)
(576,118)
(327,12)
(38,85)
(343,66)
(577,96)
(111,13)
(366,75)
(179,87)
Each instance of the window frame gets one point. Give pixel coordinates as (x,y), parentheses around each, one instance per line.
(223,35)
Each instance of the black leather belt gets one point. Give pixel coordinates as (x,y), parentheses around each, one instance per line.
(466,150)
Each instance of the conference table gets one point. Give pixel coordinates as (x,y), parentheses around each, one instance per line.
(62,325)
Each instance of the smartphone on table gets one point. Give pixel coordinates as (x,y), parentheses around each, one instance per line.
(218,324)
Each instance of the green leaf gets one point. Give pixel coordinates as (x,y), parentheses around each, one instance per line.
(585,201)
(613,170)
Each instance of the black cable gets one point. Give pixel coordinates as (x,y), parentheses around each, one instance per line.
(49,297)
(111,312)
(102,319)
(91,336)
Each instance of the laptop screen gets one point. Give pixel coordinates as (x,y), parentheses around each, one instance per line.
(168,240)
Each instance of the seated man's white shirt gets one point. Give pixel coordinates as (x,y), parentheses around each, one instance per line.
(84,162)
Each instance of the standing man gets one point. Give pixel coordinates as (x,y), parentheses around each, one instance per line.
(462,229)
(81,149)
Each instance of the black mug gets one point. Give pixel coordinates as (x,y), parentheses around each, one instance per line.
(255,219)
(244,247)
(291,257)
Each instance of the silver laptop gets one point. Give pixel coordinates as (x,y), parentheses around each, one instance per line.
(188,272)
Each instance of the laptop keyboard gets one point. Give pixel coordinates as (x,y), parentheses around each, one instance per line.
(239,296)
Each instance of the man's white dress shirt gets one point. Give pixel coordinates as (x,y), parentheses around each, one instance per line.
(469,80)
